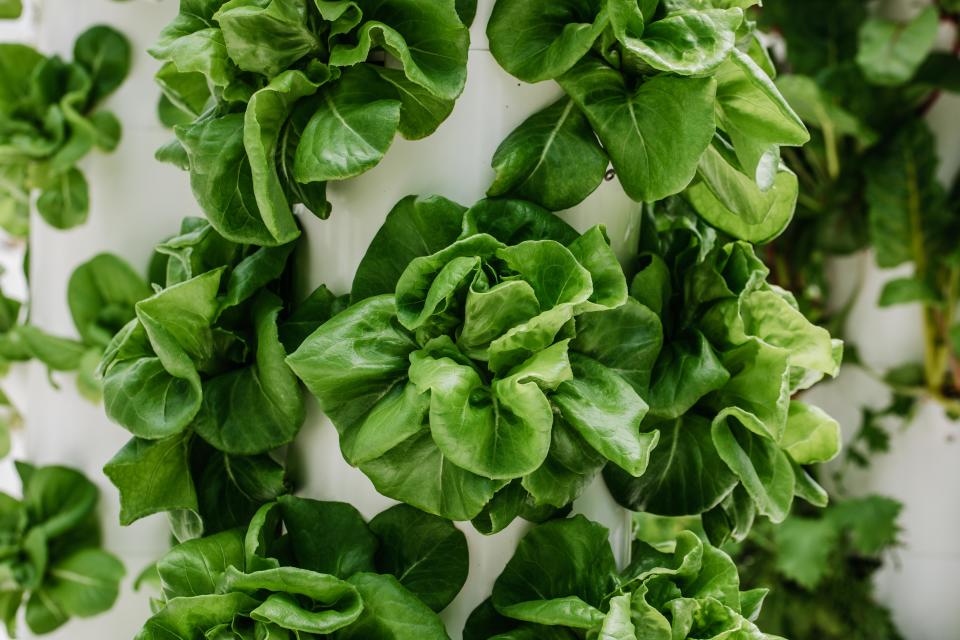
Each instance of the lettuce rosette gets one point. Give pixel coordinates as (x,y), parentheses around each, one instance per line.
(272,100)
(735,350)
(312,570)
(198,378)
(562,583)
(52,563)
(458,371)
(672,93)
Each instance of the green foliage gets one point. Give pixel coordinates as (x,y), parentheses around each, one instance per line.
(735,350)
(863,83)
(309,569)
(562,583)
(812,562)
(455,371)
(674,96)
(51,561)
(198,378)
(277,99)
(49,121)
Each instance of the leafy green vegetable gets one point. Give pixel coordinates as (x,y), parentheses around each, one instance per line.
(562,582)
(280,98)
(49,120)
(661,93)
(812,562)
(52,562)
(200,367)
(457,370)
(734,352)
(311,569)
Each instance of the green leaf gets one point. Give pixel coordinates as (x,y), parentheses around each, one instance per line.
(871,521)
(266,38)
(804,549)
(105,53)
(230,489)
(57,499)
(190,618)
(559,559)
(416,472)
(538,41)
(764,469)
(421,111)
(811,436)
(553,158)
(908,291)
(101,294)
(890,53)
(568,612)
(905,200)
(499,432)
(417,226)
(263,124)
(327,603)
(428,40)
(427,554)
(617,624)
(328,537)
(195,568)
(606,412)
(353,125)
(257,408)
(64,202)
(687,370)
(733,202)
(222,181)
(153,476)
(58,354)
(633,125)
(687,42)
(756,116)
(390,612)
(686,475)
(85,583)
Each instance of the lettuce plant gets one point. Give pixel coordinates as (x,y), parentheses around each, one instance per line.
(284,97)
(49,120)
(562,583)
(50,555)
(675,94)
(309,569)
(458,370)
(198,378)
(727,352)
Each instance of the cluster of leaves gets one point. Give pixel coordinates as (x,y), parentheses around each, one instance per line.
(101,296)
(562,583)
(275,99)
(863,83)
(50,555)
(307,569)
(462,370)
(814,561)
(49,121)
(676,94)
(724,353)
(198,377)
